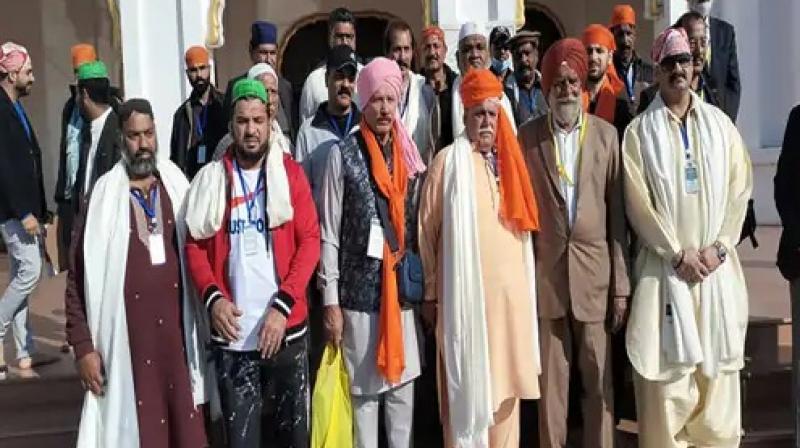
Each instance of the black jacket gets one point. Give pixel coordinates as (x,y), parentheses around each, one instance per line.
(109,148)
(21,183)
(445,98)
(724,69)
(521,112)
(643,77)
(287,114)
(787,198)
(184,142)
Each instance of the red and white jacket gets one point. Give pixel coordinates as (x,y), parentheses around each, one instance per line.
(295,245)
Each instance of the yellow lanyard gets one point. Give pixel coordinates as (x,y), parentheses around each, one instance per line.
(562,171)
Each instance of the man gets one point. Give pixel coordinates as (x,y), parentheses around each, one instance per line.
(69,154)
(102,139)
(582,269)
(499,40)
(477,216)
(787,188)
(134,324)
(22,200)
(721,59)
(524,88)
(687,325)
(200,122)
(253,245)
(335,120)
(701,82)
(634,71)
(266,74)
(440,77)
(341,31)
(417,99)
(603,86)
(368,221)
(473,52)
(264,48)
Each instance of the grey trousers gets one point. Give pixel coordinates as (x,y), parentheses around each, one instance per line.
(794,288)
(399,413)
(26,267)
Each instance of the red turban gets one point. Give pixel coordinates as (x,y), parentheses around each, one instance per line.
(570,51)
(81,54)
(433,30)
(518,208)
(196,55)
(623,15)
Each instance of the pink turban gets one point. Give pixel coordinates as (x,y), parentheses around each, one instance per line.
(12,57)
(384,72)
(671,42)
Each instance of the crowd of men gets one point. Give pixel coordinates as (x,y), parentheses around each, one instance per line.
(481,238)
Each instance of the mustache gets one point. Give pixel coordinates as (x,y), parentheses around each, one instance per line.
(345,91)
(675,76)
(403,64)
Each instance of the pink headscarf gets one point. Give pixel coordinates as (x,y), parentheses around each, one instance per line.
(384,72)
(671,42)
(12,57)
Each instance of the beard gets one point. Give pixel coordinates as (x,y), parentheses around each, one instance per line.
(24,89)
(141,165)
(200,86)
(251,156)
(566,110)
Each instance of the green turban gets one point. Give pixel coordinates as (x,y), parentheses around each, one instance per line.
(92,70)
(249,88)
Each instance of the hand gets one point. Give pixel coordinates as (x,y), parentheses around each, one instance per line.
(710,258)
(271,337)
(428,311)
(31,225)
(692,270)
(619,313)
(90,370)
(225,319)
(334,324)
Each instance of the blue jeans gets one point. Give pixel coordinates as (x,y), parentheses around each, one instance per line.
(26,267)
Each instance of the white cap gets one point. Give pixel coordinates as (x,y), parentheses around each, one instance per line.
(259,69)
(471,29)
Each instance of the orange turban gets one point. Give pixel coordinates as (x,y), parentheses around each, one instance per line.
(570,51)
(596,34)
(623,15)
(81,54)
(518,210)
(196,55)
(433,30)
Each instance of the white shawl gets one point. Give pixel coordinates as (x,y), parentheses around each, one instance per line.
(111,420)
(207,195)
(719,339)
(466,354)
(457,113)
(417,125)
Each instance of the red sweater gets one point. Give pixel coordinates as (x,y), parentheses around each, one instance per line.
(295,245)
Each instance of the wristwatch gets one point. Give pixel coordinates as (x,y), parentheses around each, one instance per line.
(722,253)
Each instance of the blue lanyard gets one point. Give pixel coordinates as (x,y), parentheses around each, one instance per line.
(202,121)
(629,81)
(685,138)
(342,133)
(250,201)
(23,118)
(149,209)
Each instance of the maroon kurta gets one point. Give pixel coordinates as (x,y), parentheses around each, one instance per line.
(166,413)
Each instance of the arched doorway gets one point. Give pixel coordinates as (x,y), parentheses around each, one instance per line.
(540,18)
(306,43)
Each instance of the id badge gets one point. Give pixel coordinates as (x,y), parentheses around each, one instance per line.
(201,154)
(155,244)
(692,183)
(375,244)
(251,237)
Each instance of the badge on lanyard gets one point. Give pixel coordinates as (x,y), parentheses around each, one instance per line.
(155,244)
(375,244)
(201,153)
(251,236)
(692,183)
(251,232)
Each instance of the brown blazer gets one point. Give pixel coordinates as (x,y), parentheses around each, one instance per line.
(578,270)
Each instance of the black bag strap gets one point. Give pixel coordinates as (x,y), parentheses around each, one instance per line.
(381,202)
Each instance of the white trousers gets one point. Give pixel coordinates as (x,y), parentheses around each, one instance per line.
(398,414)
(690,411)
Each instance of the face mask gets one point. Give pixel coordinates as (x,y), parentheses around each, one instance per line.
(702,8)
(501,66)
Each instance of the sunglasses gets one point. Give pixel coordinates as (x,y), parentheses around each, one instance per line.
(670,61)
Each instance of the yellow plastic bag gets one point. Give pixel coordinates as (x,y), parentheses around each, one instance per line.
(331,412)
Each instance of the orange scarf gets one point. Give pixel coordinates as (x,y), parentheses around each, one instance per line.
(518,209)
(391,357)
(607,96)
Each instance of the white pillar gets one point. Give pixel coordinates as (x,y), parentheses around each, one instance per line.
(155,36)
